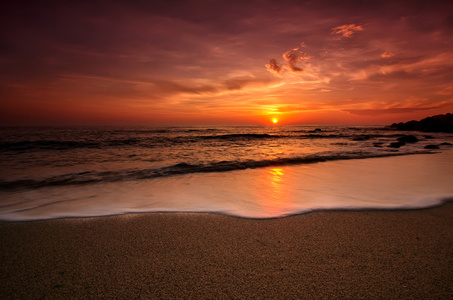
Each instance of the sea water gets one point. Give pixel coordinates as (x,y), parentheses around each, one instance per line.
(252,172)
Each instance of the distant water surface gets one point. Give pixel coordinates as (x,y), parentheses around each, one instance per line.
(63,172)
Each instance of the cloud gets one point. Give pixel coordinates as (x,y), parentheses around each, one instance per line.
(447,91)
(291,57)
(347,30)
(173,87)
(387,54)
(425,64)
(274,67)
(147,54)
(384,111)
(239,83)
(407,106)
(128,88)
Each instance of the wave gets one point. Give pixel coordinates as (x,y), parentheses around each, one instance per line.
(64,145)
(21,146)
(324,136)
(46,145)
(92,177)
(166,137)
(241,136)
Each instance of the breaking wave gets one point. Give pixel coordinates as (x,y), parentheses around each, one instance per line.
(92,177)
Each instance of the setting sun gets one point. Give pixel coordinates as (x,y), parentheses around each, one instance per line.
(275,120)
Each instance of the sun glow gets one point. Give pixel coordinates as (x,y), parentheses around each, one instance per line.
(275,120)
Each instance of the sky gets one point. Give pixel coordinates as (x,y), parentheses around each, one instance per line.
(219,62)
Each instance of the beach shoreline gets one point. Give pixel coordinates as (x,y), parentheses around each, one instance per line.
(405,254)
(396,182)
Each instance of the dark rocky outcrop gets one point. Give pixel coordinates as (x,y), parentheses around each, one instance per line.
(396,144)
(317,130)
(439,123)
(402,140)
(378,144)
(431,146)
(362,137)
(408,139)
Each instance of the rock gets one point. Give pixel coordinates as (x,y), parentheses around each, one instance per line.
(446,144)
(408,139)
(431,147)
(396,144)
(439,123)
(361,138)
(378,144)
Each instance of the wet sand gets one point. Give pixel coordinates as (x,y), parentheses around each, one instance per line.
(326,254)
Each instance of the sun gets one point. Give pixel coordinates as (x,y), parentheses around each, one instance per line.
(275,120)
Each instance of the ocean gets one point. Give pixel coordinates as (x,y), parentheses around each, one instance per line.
(243,171)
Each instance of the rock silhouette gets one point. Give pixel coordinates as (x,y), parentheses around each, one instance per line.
(408,139)
(439,123)
(396,144)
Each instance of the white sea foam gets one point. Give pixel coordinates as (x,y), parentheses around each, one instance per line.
(403,182)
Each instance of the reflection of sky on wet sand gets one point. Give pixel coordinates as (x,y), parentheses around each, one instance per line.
(398,182)
(412,181)
(276,181)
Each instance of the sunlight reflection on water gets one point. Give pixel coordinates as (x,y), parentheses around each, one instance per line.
(275,199)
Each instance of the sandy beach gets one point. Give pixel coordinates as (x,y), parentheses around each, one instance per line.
(326,254)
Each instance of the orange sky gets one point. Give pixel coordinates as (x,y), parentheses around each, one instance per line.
(224,62)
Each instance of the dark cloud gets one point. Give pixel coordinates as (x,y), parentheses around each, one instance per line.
(294,69)
(239,83)
(394,110)
(274,67)
(171,87)
(292,58)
